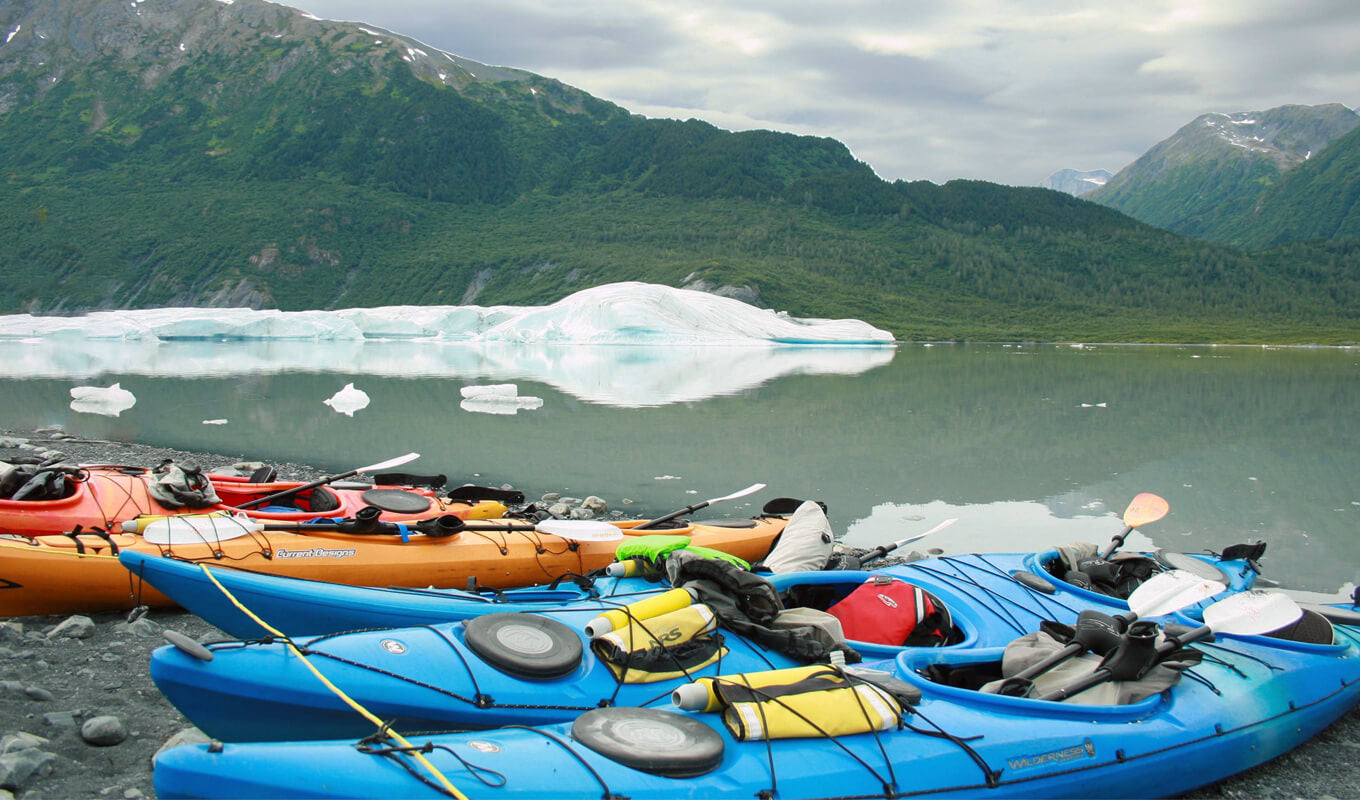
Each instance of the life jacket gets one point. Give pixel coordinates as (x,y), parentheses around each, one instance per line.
(888,610)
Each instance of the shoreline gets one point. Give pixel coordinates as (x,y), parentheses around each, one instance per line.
(52,685)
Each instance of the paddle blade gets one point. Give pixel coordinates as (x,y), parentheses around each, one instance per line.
(1252,613)
(391,462)
(1171,591)
(1145,508)
(752,489)
(581,530)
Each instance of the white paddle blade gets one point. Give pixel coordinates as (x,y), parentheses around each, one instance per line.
(1171,591)
(581,530)
(1252,613)
(199,529)
(752,489)
(918,537)
(391,462)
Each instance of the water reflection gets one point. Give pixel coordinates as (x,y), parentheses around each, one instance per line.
(1245,443)
(628,376)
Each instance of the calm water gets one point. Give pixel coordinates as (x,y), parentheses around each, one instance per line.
(1026,446)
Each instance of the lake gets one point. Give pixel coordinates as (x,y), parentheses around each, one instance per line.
(1027,446)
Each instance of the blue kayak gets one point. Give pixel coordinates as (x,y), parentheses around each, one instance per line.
(463,674)
(298,606)
(1248,700)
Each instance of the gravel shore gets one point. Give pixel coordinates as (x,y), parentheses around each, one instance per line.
(66,684)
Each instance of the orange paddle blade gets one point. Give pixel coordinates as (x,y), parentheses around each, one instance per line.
(1145,508)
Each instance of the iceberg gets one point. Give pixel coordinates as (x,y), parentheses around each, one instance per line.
(618,313)
(628,345)
(106,401)
(348,400)
(501,398)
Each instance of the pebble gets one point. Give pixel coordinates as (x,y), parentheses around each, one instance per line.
(37,693)
(103,731)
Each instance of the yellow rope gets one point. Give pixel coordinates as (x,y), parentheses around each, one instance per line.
(324,680)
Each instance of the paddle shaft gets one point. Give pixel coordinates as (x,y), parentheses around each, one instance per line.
(1117,542)
(1101,675)
(652,523)
(286,493)
(1072,649)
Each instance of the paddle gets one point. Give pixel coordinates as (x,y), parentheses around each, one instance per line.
(858,562)
(651,524)
(1100,633)
(581,530)
(394,462)
(1145,508)
(1245,614)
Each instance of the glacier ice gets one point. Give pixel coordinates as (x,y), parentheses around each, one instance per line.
(618,313)
(106,401)
(500,398)
(627,345)
(348,400)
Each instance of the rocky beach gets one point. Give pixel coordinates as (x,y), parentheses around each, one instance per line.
(80,717)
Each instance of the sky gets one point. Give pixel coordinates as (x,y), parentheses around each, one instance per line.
(1008,91)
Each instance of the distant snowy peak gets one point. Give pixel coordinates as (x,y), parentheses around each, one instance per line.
(1077,182)
(615,314)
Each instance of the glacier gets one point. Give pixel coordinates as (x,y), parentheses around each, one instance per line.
(625,345)
(614,314)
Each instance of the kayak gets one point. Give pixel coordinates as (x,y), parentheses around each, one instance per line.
(101,497)
(298,606)
(446,675)
(69,574)
(1250,699)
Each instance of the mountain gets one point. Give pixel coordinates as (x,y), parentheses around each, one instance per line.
(1077,182)
(1208,178)
(1319,199)
(207,152)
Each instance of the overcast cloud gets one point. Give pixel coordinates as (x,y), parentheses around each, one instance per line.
(1000,90)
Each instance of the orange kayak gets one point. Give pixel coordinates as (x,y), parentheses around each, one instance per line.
(102,497)
(71,574)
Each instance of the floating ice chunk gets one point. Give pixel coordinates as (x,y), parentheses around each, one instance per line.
(501,398)
(491,391)
(214,422)
(108,402)
(348,400)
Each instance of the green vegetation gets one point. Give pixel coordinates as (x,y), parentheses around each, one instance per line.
(324,172)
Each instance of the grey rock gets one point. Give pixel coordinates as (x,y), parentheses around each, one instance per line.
(103,731)
(19,767)
(12,632)
(15,655)
(183,736)
(14,742)
(38,693)
(559,510)
(140,627)
(133,794)
(73,627)
(582,513)
(61,719)
(595,504)
(551,497)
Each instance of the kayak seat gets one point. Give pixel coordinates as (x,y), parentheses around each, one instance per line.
(1311,628)
(657,742)
(524,645)
(322,500)
(1117,576)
